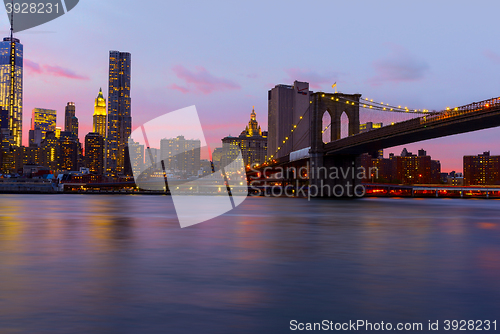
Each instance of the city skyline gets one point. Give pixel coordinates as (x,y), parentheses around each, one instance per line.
(227,84)
(249,166)
(100,108)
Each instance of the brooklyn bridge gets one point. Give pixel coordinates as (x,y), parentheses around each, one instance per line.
(298,135)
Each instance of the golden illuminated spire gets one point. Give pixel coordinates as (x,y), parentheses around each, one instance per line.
(99,124)
(100,104)
(253,127)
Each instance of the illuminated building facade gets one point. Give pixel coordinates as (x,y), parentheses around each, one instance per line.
(4,118)
(119,116)
(4,139)
(8,161)
(417,169)
(217,155)
(231,148)
(11,79)
(69,113)
(153,154)
(94,152)
(43,120)
(252,141)
(136,152)
(405,169)
(74,126)
(205,168)
(99,118)
(181,155)
(482,169)
(26,156)
(50,151)
(69,152)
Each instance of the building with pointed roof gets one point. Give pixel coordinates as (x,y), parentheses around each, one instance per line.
(253,127)
(252,141)
(99,124)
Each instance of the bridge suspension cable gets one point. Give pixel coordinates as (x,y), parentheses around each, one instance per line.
(370,104)
(366,103)
(287,138)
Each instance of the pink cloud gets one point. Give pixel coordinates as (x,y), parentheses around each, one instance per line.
(32,66)
(398,66)
(56,71)
(179,88)
(201,81)
(315,79)
(63,72)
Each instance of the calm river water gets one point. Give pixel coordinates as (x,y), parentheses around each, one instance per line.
(122,264)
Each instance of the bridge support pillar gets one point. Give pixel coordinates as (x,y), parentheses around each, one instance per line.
(336,176)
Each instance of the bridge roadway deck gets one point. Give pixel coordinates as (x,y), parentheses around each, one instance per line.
(482,115)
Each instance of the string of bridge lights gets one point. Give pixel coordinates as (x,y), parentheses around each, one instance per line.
(326,128)
(370,104)
(363,103)
(374,105)
(294,126)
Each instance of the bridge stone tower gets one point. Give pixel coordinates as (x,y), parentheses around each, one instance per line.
(322,165)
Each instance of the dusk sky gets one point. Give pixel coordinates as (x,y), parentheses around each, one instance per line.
(224,56)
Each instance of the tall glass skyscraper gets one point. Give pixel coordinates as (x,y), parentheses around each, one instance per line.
(119,118)
(70,119)
(11,78)
(42,120)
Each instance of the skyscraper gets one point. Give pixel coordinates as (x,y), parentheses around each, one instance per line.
(181,155)
(136,157)
(252,141)
(69,113)
(119,117)
(74,126)
(287,105)
(94,152)
(70,119)
(42,120)
(69,149)
(11,86)
(50,151)
(99,124)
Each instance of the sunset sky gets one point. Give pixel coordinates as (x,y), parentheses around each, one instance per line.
(224,56)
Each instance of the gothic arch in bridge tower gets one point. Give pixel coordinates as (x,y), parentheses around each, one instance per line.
(326,127)
(336,105)
(344,125)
